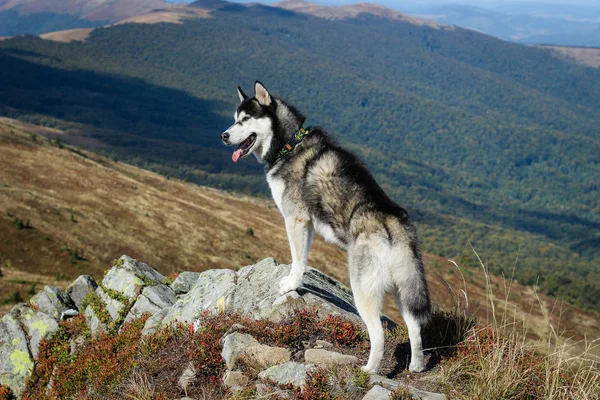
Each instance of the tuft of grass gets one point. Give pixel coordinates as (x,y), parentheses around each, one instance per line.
(401,393)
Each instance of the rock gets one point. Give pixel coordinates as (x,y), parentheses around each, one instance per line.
(52,301)
(213,291)
(187,376)
(79,289)
(96,326)
(414,392)
(377,393)
(235,380)
(256,289)
(153,300)
(238,345)
(185,282)
(323,344)
(320,356)
(154,322)
(113,306)
(289,372)
(37,324)
(129,276)
(16,363)
(76,343)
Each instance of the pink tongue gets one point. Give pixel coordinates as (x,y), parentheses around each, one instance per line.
(236,155)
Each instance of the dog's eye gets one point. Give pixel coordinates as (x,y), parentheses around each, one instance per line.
(246,118)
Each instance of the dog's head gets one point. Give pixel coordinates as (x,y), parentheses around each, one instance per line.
(253,129)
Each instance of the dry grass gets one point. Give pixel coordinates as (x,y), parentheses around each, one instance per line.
(497,361)
(589,56)
(175,226)
(69,35)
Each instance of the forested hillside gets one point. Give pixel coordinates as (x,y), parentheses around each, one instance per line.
(486,142)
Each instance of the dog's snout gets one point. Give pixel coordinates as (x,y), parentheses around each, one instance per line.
(225,136)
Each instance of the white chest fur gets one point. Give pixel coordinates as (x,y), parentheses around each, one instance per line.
(277,186)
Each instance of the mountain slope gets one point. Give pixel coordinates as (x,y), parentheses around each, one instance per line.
(37,16)
(75,201)
(486,142)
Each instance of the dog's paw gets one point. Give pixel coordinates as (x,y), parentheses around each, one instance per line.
(417,367)
(367,368)
(289,283)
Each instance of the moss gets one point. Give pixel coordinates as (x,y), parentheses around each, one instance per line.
(21,362)
(116,263)
(93,300)
(41,326)
(114,294)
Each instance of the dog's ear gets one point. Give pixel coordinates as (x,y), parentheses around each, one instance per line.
(261,94)
(243,96)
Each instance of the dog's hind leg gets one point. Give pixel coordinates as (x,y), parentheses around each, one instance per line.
(368,297)
(300,233)
(417,362)
(412,299)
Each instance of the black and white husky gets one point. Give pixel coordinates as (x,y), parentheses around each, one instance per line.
(319,186)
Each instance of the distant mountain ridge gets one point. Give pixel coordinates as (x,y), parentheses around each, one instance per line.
(40,16)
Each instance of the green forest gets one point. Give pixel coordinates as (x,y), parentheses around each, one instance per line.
(486,143)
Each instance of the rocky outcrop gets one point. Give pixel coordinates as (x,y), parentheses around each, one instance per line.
(131,289)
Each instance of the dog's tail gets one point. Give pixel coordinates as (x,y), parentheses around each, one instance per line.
(415,297)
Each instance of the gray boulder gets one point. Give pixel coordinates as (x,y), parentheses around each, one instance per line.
(37,325)
(213,290)
(129,276)
(253,290)
(16,363)
(79,289)
(286,373)
(185,282)
(52,301)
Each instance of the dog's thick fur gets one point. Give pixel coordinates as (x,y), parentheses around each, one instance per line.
(321,187)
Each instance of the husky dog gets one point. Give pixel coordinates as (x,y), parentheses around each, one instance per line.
(319,186)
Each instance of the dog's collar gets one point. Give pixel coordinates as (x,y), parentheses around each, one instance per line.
(289,146)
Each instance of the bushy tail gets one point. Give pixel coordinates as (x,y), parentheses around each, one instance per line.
(414,297)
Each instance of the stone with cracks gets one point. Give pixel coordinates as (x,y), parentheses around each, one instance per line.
(79,289)
(241,346)
(152,300)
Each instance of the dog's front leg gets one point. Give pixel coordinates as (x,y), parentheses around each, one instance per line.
(300,233)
